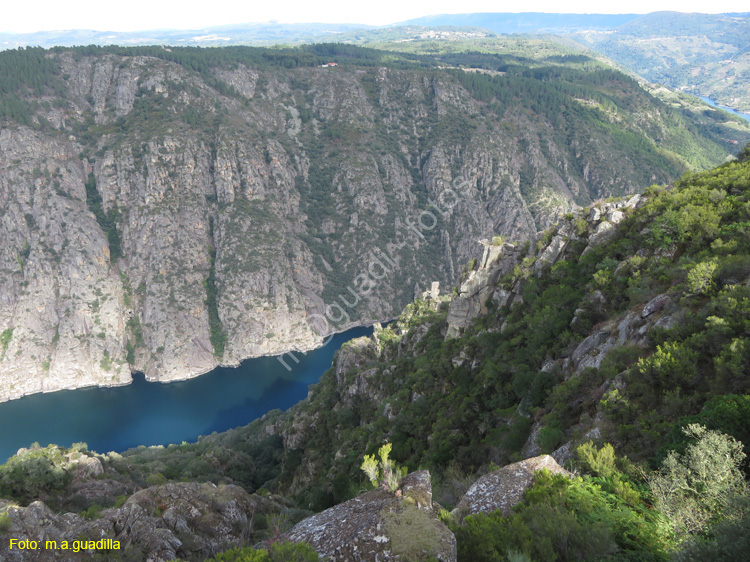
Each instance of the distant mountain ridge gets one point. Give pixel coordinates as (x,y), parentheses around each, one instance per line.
(527,22)
(289,33)
(705,54)
(222,35)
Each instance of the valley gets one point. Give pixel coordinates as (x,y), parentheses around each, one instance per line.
(613,342)
(487,299)
(170,211)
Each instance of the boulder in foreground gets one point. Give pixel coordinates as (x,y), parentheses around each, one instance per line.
(381,526)
(504,488)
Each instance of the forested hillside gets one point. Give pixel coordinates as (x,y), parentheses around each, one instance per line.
(705,54)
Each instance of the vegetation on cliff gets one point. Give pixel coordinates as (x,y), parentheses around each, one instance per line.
(673,406)
(454,405)
(634,335)
(238,192)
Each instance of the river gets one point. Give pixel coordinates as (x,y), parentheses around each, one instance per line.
(712,103)
(145,413)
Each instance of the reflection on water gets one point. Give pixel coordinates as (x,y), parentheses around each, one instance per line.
(143,413)
(711,102)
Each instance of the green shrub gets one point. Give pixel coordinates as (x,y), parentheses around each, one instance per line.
(5,523)
(37,472)
(561,519)
(93,512)
(729,414)
(728,540)
(156,479)
(549,437)
(700,278)
(581,226)
(384,473)
(600,462)
(517,434)
(694,487)
(541,532)
(5,338)
(107,221)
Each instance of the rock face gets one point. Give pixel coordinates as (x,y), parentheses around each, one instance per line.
(187,520)
(380,526)
(367,371)
(162,220)
(479,286)
(504,488)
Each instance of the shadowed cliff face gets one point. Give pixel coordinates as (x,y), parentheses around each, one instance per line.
(165,220)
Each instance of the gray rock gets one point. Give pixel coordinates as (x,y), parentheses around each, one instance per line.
(89,467)
(491,254)
(588,345)
(596,298)
(504,488)
(186,520)
(380,526)
(563,453)
(666,322)
(603,233)
(551,253)
(531,448)
(655,305)
(549,365)
(596,357)
(634,202)
(434,292)
(480,286)
(614,216)
(459,359)
(352,357)
(627,326)
(504,298)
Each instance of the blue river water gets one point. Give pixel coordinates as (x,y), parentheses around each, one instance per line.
(711,102)
(145,413)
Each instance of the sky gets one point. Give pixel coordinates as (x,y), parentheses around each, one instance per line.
(103,15)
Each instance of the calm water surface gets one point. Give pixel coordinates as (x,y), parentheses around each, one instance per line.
(144,413)
(709,101)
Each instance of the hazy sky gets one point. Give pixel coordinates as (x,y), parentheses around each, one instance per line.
(26,16)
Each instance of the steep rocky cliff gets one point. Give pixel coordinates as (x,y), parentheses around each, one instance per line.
(165,214)
(622,323)
(623,316)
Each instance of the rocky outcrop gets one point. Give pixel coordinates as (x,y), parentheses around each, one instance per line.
(186,520)
(504,488)
(604,219)
(381,526)
(480,285)
(367,371)
(630,328)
